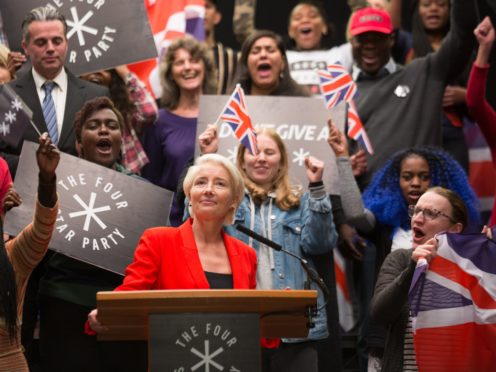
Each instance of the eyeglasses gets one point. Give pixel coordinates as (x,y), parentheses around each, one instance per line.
(429,214)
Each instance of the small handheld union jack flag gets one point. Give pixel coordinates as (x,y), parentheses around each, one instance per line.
(235,114)
(336,85)
(356,130)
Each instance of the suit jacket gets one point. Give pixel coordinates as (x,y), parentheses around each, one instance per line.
(78,92)
(167,258)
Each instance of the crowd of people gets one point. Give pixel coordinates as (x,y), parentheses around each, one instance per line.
(383,218)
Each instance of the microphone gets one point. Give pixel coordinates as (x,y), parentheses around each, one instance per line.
(311,273)
(259,238)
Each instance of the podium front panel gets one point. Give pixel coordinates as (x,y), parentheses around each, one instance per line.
(204,342)
(282,313)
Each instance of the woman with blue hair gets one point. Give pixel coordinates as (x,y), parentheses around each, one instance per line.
(404,178)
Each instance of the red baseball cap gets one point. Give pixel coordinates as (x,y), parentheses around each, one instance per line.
(370,19)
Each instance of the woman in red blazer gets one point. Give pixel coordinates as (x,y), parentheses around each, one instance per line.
(197,254)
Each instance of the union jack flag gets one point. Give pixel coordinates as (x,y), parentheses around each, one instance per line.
(336,85)
(169,20)
(236,115)
(453,306)
(356,130)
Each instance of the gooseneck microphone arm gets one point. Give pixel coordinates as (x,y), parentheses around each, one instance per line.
(311,273)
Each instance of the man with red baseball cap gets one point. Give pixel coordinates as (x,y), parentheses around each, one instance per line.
(401,106)
(372,40)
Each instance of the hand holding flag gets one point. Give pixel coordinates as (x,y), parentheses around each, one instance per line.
(235,113)
(209,140)
(337,140)
(452,305)
(337,86)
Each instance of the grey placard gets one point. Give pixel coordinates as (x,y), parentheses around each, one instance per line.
(102,33)
(301,122)
(102,212)
(204,342)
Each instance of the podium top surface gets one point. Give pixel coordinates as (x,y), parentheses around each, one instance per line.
(283,313)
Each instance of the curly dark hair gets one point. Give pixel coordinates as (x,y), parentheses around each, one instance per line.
(384,198)
(8,291)
(90,107)
(170,90)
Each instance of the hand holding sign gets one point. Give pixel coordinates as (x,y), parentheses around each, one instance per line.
(314,168)
(12,199)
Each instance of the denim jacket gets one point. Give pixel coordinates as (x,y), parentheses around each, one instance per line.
(305,231)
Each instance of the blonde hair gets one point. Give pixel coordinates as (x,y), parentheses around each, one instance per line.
(287,195)
(459,212)
(237,186)
(4,59)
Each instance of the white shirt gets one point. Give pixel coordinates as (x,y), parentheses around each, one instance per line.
(389,68)
(402,239)
(59,94)
(303,63)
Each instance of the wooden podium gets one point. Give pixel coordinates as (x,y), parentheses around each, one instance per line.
(136,315)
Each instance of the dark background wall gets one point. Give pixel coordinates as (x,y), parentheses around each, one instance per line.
(273,15)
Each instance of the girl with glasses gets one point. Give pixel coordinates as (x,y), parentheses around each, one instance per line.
(438,210)
(400,183)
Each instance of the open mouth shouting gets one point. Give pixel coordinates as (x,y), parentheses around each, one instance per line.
(418,235)
(264,70)
(104,146)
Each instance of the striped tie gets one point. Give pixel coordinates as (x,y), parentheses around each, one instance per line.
(49,112)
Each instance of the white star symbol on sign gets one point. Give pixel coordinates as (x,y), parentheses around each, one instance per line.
(231,153)
(16,104)
(300,156)
(4,128)
(10,116)
(78,26)
(90,212)
(207,358)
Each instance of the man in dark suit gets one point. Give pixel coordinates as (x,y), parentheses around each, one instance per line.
(54,95)
(45,43)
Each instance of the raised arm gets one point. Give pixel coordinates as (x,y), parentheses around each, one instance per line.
(453,55)
(146,108)
(481,110)
(29,247)
(350,193)
(318,235)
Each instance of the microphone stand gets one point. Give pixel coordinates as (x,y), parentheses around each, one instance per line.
(312,275)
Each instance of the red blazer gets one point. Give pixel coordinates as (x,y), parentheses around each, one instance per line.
(167,258)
